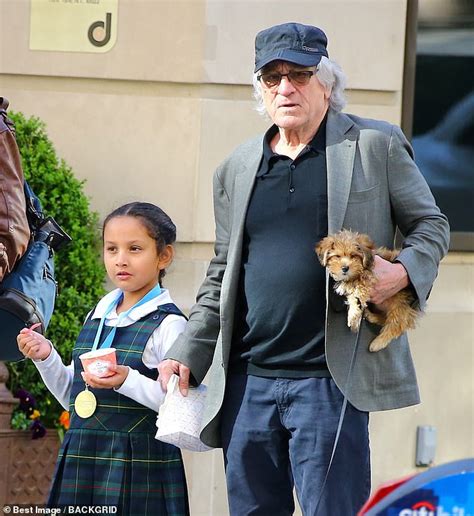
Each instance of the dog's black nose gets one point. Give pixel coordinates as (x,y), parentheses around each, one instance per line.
(345,268)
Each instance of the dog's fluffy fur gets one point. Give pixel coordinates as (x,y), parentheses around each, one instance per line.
(349,258)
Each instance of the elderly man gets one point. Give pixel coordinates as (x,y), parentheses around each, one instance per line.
(267,322)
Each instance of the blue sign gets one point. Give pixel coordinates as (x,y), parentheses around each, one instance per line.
(446,490)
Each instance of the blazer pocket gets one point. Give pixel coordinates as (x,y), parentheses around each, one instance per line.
(356,197)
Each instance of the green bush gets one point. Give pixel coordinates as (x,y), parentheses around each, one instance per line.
(79,270)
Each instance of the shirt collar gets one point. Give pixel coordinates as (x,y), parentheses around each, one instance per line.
(317,144)
(136,313)
(267,150)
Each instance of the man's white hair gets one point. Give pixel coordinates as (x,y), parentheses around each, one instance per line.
(329,74)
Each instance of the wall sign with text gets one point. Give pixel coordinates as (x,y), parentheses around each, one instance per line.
(73,25)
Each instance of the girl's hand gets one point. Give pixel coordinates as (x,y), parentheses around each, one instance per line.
(33,345)
(111,382)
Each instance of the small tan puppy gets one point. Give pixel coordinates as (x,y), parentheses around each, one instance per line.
(349,258)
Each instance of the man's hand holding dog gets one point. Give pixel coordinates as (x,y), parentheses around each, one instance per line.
(391,278)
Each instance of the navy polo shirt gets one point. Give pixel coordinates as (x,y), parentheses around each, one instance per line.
(280,309)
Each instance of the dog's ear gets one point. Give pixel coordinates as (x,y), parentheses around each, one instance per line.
(365,241)
(367,258)
(366,246)
(323,249)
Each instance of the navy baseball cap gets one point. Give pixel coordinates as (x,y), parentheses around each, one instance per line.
(293,42)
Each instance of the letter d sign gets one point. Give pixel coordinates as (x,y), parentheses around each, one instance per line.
(106,31)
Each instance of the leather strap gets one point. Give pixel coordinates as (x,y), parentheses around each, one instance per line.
(341,416)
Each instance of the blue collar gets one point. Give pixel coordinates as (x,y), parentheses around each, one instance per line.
(154,292)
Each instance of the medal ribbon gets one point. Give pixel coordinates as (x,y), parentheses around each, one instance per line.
(154,292)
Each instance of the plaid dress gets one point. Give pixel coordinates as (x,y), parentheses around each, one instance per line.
(112,458)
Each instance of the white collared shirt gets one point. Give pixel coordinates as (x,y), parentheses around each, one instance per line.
(58,377)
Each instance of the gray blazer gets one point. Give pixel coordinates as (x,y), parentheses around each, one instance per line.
(373,187)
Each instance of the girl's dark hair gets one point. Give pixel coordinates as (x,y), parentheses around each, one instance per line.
(158,224)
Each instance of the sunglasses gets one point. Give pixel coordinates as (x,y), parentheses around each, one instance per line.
(273,79)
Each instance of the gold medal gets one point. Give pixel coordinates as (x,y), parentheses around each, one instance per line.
(85,403)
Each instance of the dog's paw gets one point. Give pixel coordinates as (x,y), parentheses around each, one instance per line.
(377,345)
(354,322)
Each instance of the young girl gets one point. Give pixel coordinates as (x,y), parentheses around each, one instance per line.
(109,455)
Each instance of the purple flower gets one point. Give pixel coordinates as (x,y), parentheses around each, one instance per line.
(37,429)
(27,401)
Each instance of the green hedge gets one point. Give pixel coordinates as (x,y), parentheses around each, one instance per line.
(79,270)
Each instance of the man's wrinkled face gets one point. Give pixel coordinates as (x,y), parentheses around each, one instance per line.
(293,104)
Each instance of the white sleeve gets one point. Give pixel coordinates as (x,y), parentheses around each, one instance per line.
(56,376)
(143,390)
(140,388)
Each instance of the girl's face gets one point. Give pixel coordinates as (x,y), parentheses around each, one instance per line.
(131,257)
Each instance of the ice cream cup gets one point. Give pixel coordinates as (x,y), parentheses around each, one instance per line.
(98,362)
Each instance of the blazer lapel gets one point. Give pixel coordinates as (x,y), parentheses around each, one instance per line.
(341,142)
(243,186)
(243,189)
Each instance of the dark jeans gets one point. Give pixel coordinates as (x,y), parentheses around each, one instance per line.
(279,432)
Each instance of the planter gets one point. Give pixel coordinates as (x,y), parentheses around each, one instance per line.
(28,466)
